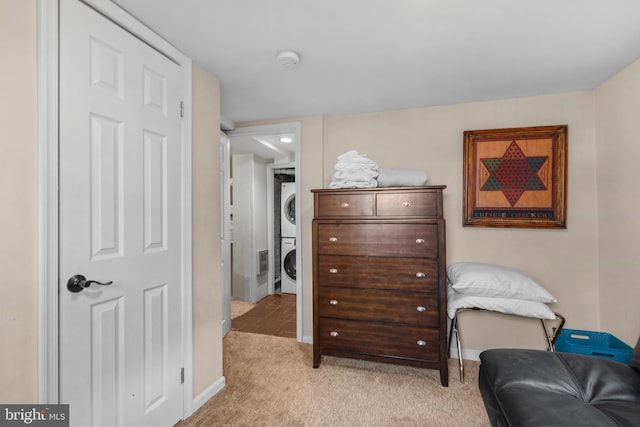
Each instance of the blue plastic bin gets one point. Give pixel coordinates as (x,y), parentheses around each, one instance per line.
(598,344)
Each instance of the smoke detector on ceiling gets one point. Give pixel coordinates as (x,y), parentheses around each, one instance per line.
(288,59)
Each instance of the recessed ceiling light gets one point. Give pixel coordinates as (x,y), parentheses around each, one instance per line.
(286,139)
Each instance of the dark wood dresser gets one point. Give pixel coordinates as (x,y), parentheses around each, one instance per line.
(379,276)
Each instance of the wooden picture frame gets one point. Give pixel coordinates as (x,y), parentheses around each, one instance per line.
(516,177)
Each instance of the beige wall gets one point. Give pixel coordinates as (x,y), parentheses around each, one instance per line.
(18,216)
(310,178)
(565,261)
(207,276)
(618,153)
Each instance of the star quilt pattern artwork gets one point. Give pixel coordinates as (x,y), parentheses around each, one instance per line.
(514,174)
(515,177)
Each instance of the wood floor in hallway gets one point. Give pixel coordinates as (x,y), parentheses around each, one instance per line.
(272,315)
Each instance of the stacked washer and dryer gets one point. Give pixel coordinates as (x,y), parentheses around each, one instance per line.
(288,236)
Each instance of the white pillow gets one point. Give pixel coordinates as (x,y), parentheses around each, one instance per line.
(489,280)
(533,309)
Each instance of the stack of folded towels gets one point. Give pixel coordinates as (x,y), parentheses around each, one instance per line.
(354,170)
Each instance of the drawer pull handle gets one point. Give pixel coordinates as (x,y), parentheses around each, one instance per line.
(344,205)
(333,239)
(333,270)
(421,343)
(406,204)
(421,308)
(333,302)
(420,275)
(419,241)
(333,334)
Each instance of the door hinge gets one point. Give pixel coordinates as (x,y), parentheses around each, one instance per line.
(181,375)
(181,108)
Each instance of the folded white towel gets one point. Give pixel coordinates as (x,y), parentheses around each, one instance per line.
(398,177)
(354,170)
(355,174)
(353,157)
(354,184)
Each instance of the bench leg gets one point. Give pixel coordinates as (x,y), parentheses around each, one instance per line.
(454,329)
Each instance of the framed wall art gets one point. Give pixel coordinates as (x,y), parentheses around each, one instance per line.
(516,177)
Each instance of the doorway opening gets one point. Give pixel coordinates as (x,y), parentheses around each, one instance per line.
(263,213)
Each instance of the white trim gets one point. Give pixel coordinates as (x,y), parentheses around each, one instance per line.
(271,285)
(48,112)
(187,241)
(299,239)
(207,394)
(290,127)
(47,28)
(467,353)
(225,233)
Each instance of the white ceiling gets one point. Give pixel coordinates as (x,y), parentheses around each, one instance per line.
(375,55)
(266,146)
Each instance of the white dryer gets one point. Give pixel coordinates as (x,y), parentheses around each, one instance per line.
(288,267)
(288,204)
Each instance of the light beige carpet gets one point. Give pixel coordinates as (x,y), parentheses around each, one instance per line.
(270,381)
(238,308)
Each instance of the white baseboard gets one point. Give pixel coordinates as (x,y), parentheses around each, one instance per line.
(207,394)
(307,339)
(467,353)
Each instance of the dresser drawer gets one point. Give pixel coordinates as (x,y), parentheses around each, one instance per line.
(379,339)
(423,204)
(406,274)
(378,239)
(346,205)
(420,309)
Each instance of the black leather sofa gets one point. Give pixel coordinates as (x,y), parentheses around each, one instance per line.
(540,388)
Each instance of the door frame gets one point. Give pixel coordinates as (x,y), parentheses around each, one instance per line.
(225,233)
(273,129)
(48,156)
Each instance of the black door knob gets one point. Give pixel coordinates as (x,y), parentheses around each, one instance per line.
(78,282)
